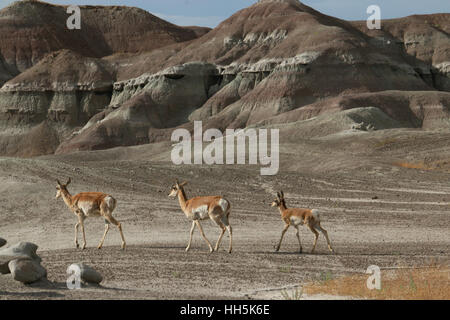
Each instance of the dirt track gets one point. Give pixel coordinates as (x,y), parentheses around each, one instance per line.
(406,225)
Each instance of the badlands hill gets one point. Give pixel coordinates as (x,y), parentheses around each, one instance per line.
(31,29)
(129,78)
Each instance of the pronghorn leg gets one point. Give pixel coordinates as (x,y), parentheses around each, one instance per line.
(119,226)
(225,225)
(297,233)
(325,233)
(226,222)
(316,234)
(100,245)
(230,232)
(190,236)
(203,235)
(222,226)
(76,235)
(281,239)
(81,222)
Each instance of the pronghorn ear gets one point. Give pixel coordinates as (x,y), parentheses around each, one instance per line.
(176,182)
(68,182)
(278,196)
(183,184)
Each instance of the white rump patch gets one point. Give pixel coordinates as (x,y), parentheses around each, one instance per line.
(316,214)
(223,204)
(110,202)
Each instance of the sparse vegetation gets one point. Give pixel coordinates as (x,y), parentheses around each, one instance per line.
(295,294)
(430,283)
(443,165)
(326,276)
(384,143)
(285,269)
(418,165)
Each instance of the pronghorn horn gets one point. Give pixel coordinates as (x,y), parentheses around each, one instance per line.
(57,181)
(176,180)
(68,181)
(183,184)
(282,194)
(279,195)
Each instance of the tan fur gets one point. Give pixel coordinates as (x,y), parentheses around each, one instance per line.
(90,204)
(297,217)
(196,209)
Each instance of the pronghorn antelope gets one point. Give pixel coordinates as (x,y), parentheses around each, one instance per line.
(90,204)
(196,209)
(297,217)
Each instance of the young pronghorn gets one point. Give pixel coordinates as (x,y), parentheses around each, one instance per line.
(196,209)
(90,204)
(297,217)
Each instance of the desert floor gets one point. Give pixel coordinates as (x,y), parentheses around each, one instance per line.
(376,213)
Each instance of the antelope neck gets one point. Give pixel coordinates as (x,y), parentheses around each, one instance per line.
(66,197)
(182,198)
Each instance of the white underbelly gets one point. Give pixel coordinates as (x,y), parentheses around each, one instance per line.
(88,210)
(296,221)
(94,213)
(200,213)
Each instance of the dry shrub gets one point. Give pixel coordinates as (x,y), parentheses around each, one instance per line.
(429,283)
(418,165)
(442,165)
(385,143)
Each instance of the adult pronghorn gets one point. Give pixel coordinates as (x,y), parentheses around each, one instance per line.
(90,204)
(196,209)
(297,217)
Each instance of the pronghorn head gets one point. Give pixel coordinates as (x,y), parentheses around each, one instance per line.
(177,187)
(279,200)
(61,188)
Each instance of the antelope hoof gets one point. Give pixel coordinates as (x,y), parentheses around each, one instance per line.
(77,245)
(99,247)
(123,246)
(187,249)
(301,250)
(211,250)
(229,251)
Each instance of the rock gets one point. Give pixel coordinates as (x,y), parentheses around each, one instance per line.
(359,126)
(2,242)
(150,101)
(88,274)
(62,81)
(274,59)
(21,250)
(26,270)
(109,29)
